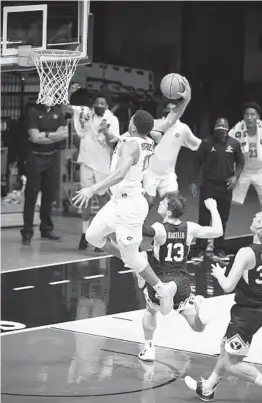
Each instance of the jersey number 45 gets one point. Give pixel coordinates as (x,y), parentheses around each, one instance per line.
(175,252)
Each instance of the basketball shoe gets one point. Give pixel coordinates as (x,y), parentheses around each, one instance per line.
(205,394)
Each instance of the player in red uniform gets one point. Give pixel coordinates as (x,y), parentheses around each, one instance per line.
(246,316)
(172,241)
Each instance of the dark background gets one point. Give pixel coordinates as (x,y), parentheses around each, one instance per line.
(208,47)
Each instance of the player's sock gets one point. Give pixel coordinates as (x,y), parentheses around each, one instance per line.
(258,380)
(85,225)
(211,382)
(149,343)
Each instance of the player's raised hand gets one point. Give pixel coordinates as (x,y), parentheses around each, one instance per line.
(186,94)
(210,204)
(82,197)
(217,270)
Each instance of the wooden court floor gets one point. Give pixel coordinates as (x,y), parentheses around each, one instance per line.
(71,333)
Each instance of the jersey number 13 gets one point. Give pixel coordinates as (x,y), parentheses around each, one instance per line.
(175,252)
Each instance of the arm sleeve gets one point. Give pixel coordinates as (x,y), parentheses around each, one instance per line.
(198,162)
(191,141)
(32,119)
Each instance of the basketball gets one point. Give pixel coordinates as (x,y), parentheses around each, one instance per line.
(171,84)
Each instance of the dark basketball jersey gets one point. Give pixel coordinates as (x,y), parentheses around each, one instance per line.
(249,287)
(173,254)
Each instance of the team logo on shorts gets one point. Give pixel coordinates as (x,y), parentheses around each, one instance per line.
(177,135)
(129,238)
(235,345)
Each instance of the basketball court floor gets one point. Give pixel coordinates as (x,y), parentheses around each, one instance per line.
(71,332)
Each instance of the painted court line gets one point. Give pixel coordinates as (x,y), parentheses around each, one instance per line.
(26,287)
(57,263)
(59,282)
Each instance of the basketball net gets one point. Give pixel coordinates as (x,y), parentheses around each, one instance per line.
(55,69)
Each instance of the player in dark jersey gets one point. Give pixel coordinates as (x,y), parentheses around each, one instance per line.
(246,316)
(172,241)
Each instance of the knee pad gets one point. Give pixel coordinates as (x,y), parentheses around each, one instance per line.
(94,239)
(134,259)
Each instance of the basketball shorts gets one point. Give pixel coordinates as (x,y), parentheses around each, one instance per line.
(124,216)
(183,298)
(154,184)
(244,323)
(89,176)
(246,179)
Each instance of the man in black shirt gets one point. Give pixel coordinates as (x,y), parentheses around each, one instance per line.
(222,161)
(245,318)
(47,129)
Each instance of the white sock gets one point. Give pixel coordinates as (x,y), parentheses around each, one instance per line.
(258,380)
(160,288)
(149,343)
(211,382)
(85,225)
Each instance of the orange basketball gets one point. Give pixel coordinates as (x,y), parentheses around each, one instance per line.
(171,84)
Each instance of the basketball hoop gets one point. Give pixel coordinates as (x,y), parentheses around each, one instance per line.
(55,69)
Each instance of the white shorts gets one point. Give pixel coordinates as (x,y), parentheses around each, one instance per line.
(89,176)
(125,216)
(246,179)
(153,184)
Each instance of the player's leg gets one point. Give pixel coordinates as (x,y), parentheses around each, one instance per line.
(103,224)
(168,185)
(87,179)
(149,324)
(196,313)
(205,388)
(243,325)
(256,181)
(223,206)
(241,188)
(204,220)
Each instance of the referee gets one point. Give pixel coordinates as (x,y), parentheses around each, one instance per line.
(47,129)
(222,161)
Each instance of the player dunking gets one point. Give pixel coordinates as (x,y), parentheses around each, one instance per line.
(125,213)
(160,176)
(246,316)
(172,241)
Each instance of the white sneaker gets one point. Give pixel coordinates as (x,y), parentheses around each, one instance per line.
(202,309)
(148,354)
(167,300)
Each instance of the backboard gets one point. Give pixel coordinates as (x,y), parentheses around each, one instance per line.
(64,25)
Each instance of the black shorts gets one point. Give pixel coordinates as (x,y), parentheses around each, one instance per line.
(244,323)
(183,293)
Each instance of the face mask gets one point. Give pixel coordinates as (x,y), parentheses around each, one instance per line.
(220,136)
(99,111)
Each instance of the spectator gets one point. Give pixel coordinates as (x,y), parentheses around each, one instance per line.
(222,161)
(47,128)
(98,129)
(249,134)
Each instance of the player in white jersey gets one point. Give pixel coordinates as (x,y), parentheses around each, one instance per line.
(249,134)
(160,176)
(125,213)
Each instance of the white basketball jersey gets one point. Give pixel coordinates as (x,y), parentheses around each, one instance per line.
(166,152)
(132,183)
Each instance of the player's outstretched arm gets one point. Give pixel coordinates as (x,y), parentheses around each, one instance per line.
(129,153)
(176,114)
(215,230)
(244,260)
